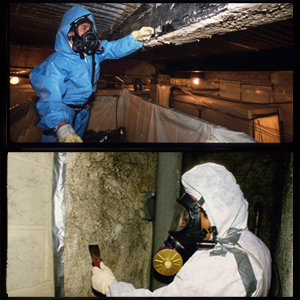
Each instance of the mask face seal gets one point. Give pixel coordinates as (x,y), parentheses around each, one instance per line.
(89,42)
(185,237)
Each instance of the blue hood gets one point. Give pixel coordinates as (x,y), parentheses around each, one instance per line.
(61,42)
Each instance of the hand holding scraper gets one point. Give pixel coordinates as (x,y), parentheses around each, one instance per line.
(102,276)
(95,255)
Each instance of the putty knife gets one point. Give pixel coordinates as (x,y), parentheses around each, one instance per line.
(95,255)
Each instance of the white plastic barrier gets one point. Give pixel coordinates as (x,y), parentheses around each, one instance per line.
(148,122)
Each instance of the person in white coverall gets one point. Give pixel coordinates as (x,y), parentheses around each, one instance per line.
(235,262)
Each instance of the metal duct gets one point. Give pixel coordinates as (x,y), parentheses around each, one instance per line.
(58,221)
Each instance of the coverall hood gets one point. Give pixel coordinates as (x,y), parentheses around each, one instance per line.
(224,204)
(61,42)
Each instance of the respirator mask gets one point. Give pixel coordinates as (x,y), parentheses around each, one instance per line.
(89,42)
(189,231)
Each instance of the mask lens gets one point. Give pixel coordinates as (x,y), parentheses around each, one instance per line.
(180,219)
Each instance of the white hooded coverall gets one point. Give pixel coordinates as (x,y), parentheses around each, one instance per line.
(221,271)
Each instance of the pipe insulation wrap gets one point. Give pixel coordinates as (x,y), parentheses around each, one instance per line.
(58,220)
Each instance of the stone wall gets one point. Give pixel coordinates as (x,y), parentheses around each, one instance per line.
(102,202)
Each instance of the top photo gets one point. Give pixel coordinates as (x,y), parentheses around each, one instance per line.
(147,73)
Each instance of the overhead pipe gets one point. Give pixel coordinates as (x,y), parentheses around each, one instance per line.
(167,191)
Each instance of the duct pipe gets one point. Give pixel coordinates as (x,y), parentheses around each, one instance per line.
(58,221)
(167,191)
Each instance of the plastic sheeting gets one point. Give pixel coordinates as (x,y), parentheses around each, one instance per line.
(256,93)
(58,221)
(267,130)
(230,89)
(103,114)
(283,86)
(144,121)
(163,96)
(148,122)
(259,121)
(23,120)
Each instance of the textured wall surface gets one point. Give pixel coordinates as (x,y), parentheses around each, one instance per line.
(284,251)
(102,201)
(29,248)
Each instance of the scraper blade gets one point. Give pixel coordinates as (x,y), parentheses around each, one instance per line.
(95,255)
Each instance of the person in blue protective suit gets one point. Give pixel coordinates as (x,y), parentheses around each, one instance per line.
(65,81)
(210,250)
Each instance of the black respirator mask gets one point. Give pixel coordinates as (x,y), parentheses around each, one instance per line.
(185,237)
(89,42)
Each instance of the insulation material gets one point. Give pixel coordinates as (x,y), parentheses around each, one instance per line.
(230,90)
(181,82)
(266,130)
(205,87)
(233,115)
(283,95)
(102,200)
(163,92)
(255,93)
(283,86)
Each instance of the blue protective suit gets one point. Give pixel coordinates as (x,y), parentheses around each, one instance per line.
(64,78)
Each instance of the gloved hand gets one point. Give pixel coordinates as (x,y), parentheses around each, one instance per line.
(66,134)
(143,34)
(101,278)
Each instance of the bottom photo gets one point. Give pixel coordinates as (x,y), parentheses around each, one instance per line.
(200,224)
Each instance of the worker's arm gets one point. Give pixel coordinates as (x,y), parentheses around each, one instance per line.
(126,45)
(104,281)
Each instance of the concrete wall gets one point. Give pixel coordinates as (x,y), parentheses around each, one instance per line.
(29,250)
(284,251)
(102,202)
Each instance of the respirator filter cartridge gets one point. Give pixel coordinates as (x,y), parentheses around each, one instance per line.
(167,262)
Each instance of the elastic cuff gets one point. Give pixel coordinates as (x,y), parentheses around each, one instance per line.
(64,131)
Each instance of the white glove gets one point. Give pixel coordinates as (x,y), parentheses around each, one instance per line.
(66,134)
(102,278)
(143,34)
